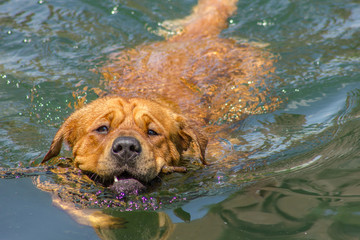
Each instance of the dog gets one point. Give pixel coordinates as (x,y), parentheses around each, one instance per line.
(126,143)
(166,100)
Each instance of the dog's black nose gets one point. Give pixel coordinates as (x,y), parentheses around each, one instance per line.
(126,148)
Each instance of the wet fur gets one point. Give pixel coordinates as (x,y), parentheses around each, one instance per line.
(174,87)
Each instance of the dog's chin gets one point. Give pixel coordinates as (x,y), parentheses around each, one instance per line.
(127,186)
(122,184)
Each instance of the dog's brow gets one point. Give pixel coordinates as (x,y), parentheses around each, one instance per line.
(114,117)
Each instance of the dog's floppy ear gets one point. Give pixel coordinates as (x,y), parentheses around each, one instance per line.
(55,145)
(67,132)
(190,133)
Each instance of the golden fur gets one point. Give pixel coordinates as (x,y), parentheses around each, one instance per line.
(127,117)
(166,99)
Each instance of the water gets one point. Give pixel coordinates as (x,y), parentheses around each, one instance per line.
(300,180)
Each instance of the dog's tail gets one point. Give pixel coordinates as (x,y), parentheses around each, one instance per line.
(208,18)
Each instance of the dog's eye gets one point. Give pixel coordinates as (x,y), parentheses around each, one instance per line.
(102,129)
(151,132)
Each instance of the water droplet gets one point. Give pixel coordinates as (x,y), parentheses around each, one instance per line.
(114,10)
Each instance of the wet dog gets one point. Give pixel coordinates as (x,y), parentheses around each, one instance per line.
(125,143)
(166,97)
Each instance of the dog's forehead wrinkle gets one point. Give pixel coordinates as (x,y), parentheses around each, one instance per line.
(113,116)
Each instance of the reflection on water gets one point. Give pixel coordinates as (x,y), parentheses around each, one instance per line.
(292,173)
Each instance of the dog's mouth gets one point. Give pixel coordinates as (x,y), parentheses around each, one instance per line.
(122,184)
(128,185)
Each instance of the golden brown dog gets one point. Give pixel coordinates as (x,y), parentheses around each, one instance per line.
(165,94)
(127,141)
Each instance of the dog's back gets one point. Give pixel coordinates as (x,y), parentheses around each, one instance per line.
(210,78)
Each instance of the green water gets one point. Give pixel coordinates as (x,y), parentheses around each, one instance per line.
(301,180)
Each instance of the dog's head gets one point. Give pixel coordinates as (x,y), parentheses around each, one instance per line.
(126,143)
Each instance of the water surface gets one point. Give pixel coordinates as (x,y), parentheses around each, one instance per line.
(300,180)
